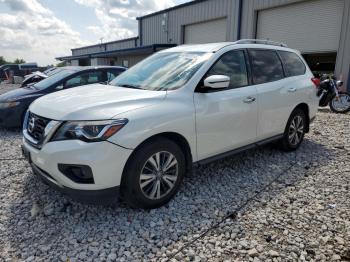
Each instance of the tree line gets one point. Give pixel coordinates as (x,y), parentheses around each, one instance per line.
(3,61)
(16,61)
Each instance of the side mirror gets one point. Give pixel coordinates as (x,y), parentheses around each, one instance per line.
(59,87)
(217,82)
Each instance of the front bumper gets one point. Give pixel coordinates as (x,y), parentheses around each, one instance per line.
(105,159)
(103,196)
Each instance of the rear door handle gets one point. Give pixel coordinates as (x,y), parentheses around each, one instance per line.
(291,90)
(249,100)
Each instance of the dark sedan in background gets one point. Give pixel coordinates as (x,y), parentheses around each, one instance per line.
(38,76)
(15,103)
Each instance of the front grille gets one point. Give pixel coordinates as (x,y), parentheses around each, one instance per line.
(35,127)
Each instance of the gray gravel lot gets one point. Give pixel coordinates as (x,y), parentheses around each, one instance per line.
(7,87)
(290,206)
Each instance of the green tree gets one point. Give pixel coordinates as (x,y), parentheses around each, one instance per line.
(61,64)
(19,61)
(2,60)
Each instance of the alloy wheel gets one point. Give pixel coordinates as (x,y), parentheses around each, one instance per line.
(296,130)
(342,103)
(159,175)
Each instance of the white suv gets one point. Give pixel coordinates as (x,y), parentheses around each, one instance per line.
(185,105)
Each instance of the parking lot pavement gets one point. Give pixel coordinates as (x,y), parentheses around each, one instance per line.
(262,205)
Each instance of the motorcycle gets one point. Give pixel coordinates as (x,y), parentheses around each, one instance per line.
(330,93)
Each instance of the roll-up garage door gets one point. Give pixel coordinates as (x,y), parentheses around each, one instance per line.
(310,26)
(206,32)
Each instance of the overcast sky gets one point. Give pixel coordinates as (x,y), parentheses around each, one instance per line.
(40,30)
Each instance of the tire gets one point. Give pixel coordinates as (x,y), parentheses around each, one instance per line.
(142,192)
(336,110)
(291,142)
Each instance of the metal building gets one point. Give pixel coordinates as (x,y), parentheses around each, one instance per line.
(320,29)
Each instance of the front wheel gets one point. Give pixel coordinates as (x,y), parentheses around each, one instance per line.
(153,174)
(340,104)
(295,130)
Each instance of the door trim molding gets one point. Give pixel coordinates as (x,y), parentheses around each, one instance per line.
(238,150)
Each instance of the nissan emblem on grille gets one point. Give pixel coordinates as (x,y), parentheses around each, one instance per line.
(31,124)
(36,128)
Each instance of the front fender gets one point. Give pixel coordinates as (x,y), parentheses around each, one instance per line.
(170,115)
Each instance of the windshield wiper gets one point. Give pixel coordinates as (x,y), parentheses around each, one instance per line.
(130,86)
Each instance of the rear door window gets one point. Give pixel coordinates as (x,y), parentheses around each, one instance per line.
(292,63)
(85,79)
(94,77)
(266,66)
(111,74)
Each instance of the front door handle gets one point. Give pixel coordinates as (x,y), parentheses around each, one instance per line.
(249,100)
(291,90)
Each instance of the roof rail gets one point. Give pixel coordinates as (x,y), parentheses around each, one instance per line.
(260,41)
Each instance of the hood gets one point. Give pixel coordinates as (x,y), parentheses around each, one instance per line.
(19,93)
(93,102)
(37,73)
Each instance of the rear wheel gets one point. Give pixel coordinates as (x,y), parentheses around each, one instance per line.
(340,104)
(295,130)
(153,174)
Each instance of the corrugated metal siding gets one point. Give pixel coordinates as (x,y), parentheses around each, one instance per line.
(127,43)
(133,60)
(153,31)
(206,32)
(74,63)
(101,61)
(88,50)
(343,58)
(249,19)
(94,62)
(121,45)
(249,10)
(302,25)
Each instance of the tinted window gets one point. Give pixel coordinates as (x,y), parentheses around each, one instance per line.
(53,79)
(231,64)
(266,66)
(113,74)
(85,79)
(292,64)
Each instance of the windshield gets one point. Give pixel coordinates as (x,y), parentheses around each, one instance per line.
(53,71)
(53,79)
(162,71)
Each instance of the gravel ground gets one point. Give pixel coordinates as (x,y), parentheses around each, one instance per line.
(262,205)
(7,87)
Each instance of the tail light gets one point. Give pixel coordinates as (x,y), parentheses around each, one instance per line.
(316,81)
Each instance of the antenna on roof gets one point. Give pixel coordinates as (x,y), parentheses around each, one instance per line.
(101,40)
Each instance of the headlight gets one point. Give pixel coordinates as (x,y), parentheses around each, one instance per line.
(11,104)
(89,131)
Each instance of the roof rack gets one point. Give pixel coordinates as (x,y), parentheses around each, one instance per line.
(260,41)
